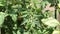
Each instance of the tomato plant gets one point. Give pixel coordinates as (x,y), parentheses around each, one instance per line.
(28,16)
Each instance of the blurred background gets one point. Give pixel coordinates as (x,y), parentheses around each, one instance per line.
(29,16)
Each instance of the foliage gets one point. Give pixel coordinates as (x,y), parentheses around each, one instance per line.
(51,22)
(27,16)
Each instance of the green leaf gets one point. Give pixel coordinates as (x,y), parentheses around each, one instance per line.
(2,16)
(26,32)
(14,17)
(1,5)
(51,22)
(13,32)
(59,1)
(18,32)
